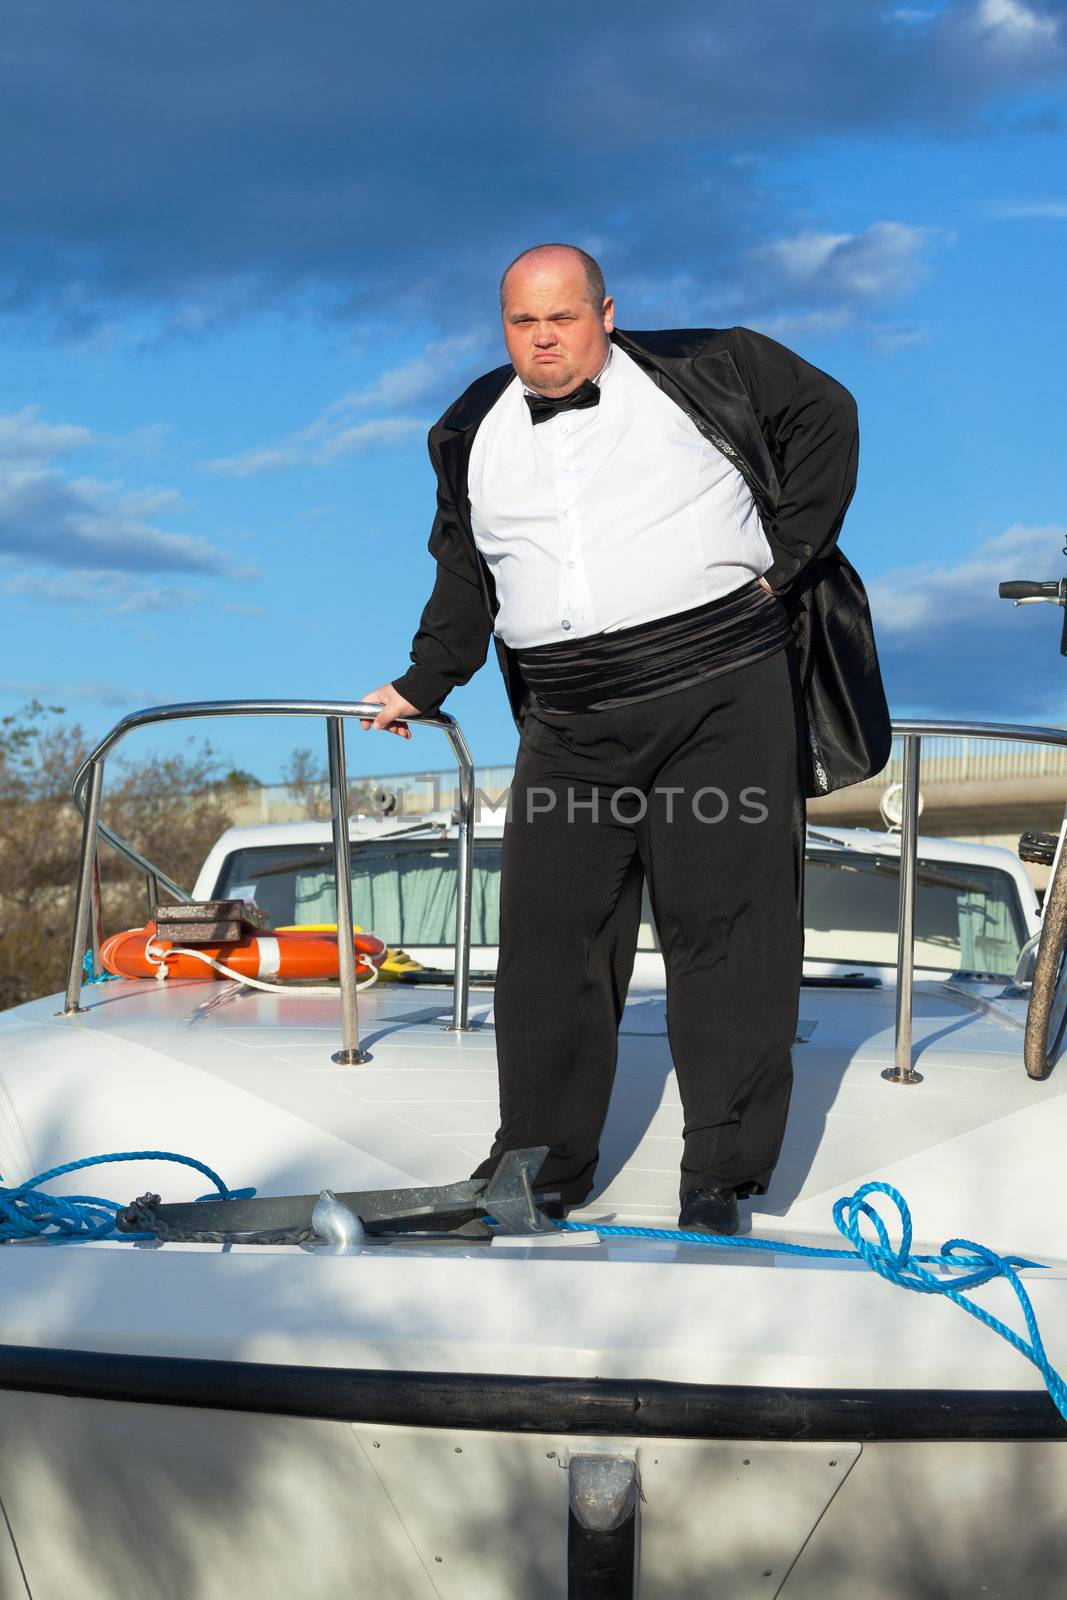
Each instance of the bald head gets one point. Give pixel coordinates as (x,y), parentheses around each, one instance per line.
(549,256)
(557,318)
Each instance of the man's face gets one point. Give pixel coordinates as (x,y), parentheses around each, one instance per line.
(555,337)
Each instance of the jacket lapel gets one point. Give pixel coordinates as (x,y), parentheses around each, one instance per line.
(714,396)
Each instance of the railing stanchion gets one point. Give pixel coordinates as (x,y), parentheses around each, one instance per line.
(464,881)
(151,887)
(902,1070)
(350,1053)
(83,904)
(96,919)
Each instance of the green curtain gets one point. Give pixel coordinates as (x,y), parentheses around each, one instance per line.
(407,899)
(988,940)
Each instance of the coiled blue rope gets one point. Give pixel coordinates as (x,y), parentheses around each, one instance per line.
(26,1212)
(90,974)
(978,1264)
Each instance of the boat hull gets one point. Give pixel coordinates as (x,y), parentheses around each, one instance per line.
(162,1477)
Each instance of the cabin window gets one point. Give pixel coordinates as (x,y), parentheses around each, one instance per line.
(404,891)
(966,916)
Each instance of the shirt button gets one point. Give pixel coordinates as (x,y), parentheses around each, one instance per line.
(565,623)
(570,565)
(566,516)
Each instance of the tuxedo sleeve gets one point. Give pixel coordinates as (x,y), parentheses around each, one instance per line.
(452,640)
(810,425)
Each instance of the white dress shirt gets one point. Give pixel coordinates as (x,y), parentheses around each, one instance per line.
(607,516)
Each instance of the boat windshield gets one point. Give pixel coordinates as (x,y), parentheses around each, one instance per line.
(404,889)
(967,916)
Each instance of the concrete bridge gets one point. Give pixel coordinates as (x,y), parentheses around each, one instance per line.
(980,789)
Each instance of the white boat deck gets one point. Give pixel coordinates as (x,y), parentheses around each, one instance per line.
(247,1085)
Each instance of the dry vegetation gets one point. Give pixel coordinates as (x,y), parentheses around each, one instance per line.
(171,808)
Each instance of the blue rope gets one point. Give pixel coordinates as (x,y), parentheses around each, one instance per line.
(26,1212)
(89,972)
(978,1264)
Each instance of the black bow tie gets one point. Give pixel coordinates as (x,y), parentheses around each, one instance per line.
(587,394)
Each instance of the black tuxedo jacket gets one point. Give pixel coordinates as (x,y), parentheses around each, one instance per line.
(791,431)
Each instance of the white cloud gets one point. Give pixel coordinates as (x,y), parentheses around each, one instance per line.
(803,255)
(1013,24)
(250,463)
(55,521)
(93,529)
(891,339)
(423,375)
(1053,210)
(337,432)
(853,269)
(147,440)
(805,324)
(112,594)
(816,284)
(24,437)
(912,601)
(887,338)
(320,445)
(364,436)
(949,646)
(86,238)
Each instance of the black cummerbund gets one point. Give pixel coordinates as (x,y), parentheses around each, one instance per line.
(616,668)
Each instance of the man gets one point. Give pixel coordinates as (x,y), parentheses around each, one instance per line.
(647,526)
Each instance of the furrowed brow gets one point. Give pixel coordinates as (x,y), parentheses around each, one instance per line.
(527,316)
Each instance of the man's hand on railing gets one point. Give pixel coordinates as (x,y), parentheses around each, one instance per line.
(393,705)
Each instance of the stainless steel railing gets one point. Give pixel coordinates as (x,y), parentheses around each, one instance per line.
(912,731)
(88,786)
(87,790)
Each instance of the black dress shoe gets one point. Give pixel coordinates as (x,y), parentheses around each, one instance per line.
(709,1211)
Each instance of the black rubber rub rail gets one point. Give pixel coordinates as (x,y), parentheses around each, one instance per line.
(634,1408)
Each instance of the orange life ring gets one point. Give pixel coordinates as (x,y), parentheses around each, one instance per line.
(268,956)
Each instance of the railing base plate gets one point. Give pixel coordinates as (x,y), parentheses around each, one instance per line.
(891,1075)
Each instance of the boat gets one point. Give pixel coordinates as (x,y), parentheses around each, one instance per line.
(333,1375)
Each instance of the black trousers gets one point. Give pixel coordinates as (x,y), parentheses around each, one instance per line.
(700,792)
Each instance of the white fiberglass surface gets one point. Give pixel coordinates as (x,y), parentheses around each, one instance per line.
(245,1081)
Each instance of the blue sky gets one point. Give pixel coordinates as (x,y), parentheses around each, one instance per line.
(248,254)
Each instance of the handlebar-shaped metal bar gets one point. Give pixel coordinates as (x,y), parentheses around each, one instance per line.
(88,786)
(87,790)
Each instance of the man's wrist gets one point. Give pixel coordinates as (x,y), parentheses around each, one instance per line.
(422,687)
